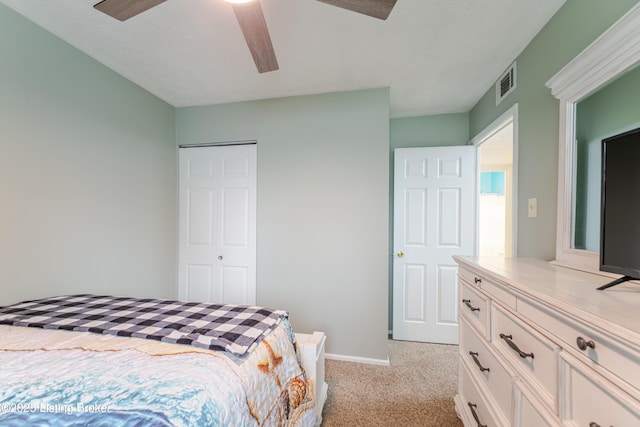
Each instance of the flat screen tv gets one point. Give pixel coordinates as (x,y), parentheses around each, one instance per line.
(620,207)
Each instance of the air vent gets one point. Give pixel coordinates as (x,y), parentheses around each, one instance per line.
(506,83)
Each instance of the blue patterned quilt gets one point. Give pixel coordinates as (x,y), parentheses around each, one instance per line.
(44,384)
(80,387)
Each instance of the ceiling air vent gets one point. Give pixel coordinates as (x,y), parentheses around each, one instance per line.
(506,83)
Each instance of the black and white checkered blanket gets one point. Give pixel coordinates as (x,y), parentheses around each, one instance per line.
(237,329)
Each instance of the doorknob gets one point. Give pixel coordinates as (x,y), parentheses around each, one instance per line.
(220,257)
(400,254)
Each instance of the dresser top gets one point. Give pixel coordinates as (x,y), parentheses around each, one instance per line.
(616,309)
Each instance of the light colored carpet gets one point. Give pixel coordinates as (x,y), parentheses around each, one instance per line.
(416,390)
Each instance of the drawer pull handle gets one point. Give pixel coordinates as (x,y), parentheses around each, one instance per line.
(584,344)
(508,339)
(592,424)
(472,406)
(467,302)
(477,280)
(474,355)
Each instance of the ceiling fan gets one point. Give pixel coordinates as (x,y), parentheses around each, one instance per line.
(251,20)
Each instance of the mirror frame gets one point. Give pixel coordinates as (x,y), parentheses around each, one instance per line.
(615,52)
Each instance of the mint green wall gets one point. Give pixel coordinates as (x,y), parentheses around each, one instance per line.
(422,131)
(429,131)
(611,110)
(574,27)
(323,186)
(87,174)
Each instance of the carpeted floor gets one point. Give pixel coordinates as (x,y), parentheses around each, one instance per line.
(416,390)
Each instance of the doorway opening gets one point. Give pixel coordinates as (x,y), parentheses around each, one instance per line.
(496,145)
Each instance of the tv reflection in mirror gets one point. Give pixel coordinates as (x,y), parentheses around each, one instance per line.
(620,207)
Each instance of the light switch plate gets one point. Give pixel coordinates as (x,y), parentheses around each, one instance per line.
(532,210)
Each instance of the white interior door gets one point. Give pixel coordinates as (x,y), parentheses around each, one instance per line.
(217,237)
(434,219)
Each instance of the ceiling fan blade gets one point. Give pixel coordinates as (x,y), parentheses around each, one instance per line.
(376,8)
(256,33)
(125,9)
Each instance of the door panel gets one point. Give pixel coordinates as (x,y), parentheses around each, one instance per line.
(235,285)
(235,222)
(198,282)
(199,222)
(447,306)
(416,217)
(200,168)
(449,217)
(415,288)
(434,219)
(217,252)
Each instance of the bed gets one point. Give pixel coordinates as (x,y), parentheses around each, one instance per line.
(116,361)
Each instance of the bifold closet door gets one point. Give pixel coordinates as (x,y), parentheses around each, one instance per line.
(217,218)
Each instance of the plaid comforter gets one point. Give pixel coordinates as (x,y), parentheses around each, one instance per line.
(237,329)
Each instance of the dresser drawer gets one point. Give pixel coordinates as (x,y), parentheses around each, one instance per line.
(476,410)
(533,356)
(485,367)
(474,306)
(613,355)
(590,400)
(529,412)
(494,290)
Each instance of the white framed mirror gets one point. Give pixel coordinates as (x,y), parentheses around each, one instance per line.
(611,55)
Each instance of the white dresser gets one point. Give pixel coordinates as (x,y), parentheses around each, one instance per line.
(540,346)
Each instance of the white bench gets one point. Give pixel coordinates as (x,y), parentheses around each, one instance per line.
(311,355)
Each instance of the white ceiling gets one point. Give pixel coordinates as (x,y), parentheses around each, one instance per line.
(498,148)
(436,56)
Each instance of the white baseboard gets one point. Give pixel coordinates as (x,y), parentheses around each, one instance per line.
(357,359)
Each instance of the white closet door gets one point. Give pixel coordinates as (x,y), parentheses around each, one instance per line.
(217,247)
